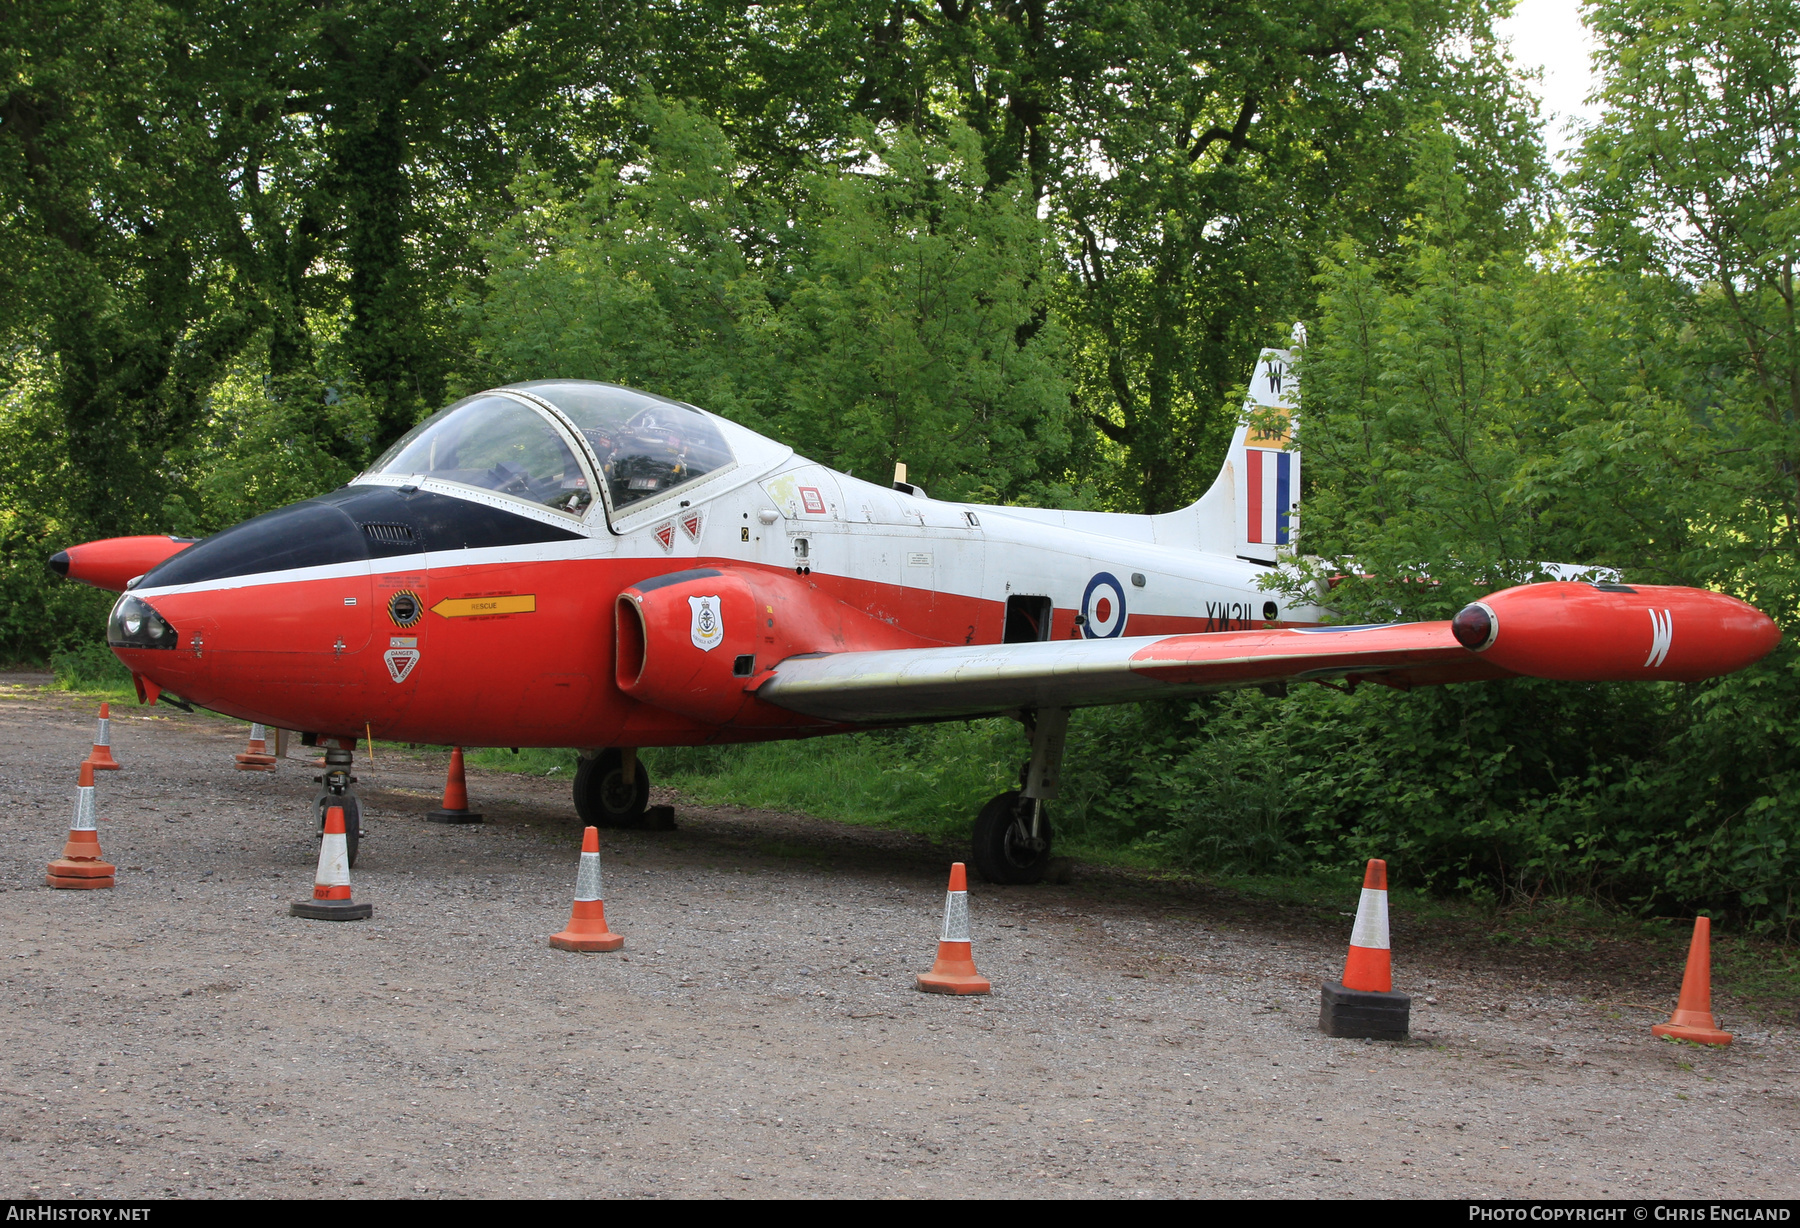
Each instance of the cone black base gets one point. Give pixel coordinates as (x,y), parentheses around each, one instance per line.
(1363,1013)
(330,910)
(440,815)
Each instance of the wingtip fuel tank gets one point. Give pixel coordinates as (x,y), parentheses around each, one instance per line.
(1616,632)
(115,562)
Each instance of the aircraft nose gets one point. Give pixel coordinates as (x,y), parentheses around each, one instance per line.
(59,563)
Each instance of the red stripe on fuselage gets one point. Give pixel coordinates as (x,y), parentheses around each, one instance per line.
(295,655)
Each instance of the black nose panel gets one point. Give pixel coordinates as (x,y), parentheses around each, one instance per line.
(306,534)
(349,526)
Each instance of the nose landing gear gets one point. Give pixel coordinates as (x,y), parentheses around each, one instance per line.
(612,789)
(335,790)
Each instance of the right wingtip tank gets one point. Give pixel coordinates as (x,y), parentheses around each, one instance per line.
(1616,633)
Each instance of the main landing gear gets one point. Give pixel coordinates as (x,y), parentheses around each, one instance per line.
(612,789)
(1012,836)
(335,790)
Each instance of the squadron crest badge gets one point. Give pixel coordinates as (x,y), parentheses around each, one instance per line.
(708,628)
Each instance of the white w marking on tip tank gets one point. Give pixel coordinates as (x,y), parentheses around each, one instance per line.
(1662,632)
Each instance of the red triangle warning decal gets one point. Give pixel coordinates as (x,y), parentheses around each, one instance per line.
(665,533)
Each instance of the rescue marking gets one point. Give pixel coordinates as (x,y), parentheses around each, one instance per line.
(665,533)
(1662,633)
(708,627)
(812,500)
(474,607)
(400,662)
(690,524)
(403,641)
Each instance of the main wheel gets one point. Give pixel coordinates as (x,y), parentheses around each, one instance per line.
(1004,851)
(603,799)
(352,819)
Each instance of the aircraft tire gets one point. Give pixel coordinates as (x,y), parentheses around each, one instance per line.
(352,821)
(996,851)
(603,799)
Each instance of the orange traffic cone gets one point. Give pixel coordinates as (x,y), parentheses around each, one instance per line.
(587,920)
(80,866)
(954,969)
(1693,1019)
(1364,1003)
(101,757)
(331,885)
(256,756)
(456,795)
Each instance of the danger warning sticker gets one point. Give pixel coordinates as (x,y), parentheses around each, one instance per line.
(400,662)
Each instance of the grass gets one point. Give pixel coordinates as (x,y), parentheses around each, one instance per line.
(92,669)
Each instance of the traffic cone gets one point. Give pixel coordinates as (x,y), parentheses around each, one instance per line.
(954,969)
(1693,1019)
(587,920)
(101,757)
(1364,1003)
(80,867)
(456,795)
(331,885)
(256,756)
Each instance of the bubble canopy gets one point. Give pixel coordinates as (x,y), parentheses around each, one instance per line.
(646,446)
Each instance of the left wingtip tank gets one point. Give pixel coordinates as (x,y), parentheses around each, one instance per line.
(116,561)
(1615,632)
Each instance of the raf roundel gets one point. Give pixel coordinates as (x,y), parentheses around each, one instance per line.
(1103,607)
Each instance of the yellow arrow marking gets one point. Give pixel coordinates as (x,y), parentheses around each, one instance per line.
(467,607)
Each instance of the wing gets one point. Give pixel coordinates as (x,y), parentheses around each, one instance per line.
(978,680)
(1576,632)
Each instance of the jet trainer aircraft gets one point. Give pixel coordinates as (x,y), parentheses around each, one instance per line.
(565,563)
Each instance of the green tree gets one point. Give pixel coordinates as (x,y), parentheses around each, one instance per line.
(895,318)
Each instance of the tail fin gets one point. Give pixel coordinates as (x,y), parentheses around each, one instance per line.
(1253,507)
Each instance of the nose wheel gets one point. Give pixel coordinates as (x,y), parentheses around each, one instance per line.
(1012,840)
(335,790)
(612,790)
(352,818)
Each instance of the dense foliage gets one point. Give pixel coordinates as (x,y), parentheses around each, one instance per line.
(1029,248)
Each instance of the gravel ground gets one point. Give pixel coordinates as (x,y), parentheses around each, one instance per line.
(759,1035)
